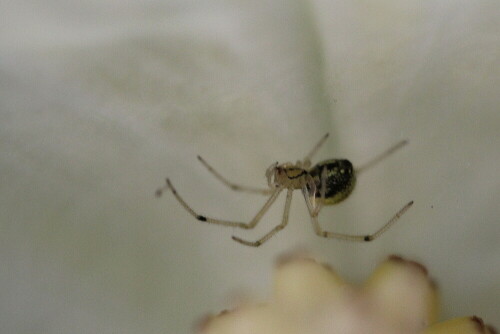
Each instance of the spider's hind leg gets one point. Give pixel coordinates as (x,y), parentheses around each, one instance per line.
(348,237)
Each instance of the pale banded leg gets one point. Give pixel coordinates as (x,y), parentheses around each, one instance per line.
(193,213)
(322,191)
(349,237)
(307,159)
(232,185)
(314,206)
(381,156)
(275,230)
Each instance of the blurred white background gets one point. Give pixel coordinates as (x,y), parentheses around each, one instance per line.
(100,100)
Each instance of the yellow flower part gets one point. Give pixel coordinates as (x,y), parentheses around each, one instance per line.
(310,298)
(461,326)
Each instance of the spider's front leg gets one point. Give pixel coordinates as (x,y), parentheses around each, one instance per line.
(275,230)
(202,218)
(349,237)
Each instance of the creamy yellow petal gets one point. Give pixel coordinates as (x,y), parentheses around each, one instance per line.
(403,290)
(399,298)
(261,319)
(466,325)
(303,283)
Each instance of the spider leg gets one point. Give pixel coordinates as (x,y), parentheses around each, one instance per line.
(307,159)
(232,185)
(275,230)
(193,213)
(314,206)
(307,196)
(349,237)
(381,156)
(322,191)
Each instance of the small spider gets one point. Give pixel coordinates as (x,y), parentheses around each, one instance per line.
(329,182)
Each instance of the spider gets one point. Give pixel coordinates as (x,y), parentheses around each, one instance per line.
(326,183)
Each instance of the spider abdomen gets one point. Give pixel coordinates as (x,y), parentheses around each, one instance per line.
(340,179)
